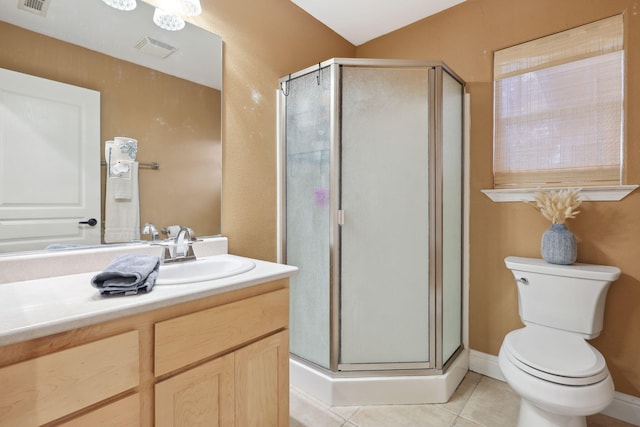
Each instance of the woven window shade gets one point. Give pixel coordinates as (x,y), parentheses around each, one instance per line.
(559,108)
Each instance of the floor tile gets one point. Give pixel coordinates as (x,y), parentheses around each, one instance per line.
(461,422)
(403,415)
(478,402)
(462,394)
(492,404)
(345,412)
(306,412)
(600,420)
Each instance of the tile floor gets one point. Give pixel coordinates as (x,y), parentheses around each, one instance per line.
(478,401)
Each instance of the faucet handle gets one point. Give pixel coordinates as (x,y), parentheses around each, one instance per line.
(192,235)
(171,231)
(152,230)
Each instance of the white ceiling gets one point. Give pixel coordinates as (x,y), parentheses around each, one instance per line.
(359,21)
(96,26)
(92,24)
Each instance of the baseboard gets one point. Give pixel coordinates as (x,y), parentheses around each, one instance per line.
(485,364)
(624,407)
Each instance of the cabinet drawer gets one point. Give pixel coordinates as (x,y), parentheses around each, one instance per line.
(43,389)
(193,337)
(121,413)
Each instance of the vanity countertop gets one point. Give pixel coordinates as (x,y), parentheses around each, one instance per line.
(35,308)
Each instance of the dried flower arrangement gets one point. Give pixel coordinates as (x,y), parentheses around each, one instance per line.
(558,205)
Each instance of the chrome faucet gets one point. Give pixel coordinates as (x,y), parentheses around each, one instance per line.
(182,247)
(151,229)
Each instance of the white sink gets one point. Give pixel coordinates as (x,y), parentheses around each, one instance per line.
(202,269)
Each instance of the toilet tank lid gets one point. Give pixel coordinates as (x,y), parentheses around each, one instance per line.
(579,270)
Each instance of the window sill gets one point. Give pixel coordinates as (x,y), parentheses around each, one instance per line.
(588,194)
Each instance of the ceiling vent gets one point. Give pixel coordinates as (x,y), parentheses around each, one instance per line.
(38,7)
(155,47)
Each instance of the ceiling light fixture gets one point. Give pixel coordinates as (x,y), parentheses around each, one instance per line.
(181,7)
(167,21)
(122,4)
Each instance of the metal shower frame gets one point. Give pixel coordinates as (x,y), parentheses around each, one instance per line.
(435,365)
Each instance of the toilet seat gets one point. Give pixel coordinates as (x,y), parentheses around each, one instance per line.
(556,356)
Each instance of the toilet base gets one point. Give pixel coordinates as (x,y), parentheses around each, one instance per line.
(564,406)
(532,416)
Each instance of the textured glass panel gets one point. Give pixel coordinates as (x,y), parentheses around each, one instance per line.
(385,198)
(451,216)
(308,142)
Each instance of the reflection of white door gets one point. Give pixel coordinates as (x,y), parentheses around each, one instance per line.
(49,163)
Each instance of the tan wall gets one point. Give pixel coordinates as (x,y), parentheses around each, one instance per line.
(134,103)
(267,39)
(263,41)
(608,233)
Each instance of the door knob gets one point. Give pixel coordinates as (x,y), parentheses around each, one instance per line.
(91,221)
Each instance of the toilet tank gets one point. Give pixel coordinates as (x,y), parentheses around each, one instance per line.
(566,297)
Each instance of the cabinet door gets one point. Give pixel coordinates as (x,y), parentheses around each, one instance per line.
(202,396)
(262,382)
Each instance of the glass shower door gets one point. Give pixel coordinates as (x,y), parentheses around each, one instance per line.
(452,209)
(308,108)
(385,301)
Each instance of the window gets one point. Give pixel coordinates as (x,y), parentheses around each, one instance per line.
(558,109)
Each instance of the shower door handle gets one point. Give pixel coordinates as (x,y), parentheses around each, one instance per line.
(340,217)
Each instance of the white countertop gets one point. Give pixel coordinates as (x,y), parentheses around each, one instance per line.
(36,308)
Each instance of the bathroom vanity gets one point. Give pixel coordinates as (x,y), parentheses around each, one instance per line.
(208,353)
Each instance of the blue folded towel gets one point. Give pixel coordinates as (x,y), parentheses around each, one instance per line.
(127,275)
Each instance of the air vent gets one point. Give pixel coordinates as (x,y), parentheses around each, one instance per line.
(38,7)
(155,47)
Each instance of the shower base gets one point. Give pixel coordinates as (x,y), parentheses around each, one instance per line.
(378,390)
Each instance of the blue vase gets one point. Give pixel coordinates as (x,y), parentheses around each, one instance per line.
(559,245)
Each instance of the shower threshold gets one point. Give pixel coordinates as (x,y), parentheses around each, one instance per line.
(340,389)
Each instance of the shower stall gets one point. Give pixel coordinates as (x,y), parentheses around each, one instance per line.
(371,211)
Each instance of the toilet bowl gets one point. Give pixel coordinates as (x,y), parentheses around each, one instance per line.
(558,375)
(554,391)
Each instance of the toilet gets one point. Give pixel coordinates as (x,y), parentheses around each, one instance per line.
(558,375)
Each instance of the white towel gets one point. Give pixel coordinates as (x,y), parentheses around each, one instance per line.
(121,179)
(122,216)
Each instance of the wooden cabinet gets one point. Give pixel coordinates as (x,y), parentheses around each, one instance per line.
(202,396)
(196,336)
(43,389)
(216,361)
(248,386)
(262,382)
(124,412)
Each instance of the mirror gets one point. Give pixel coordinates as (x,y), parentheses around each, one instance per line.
(170,105)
